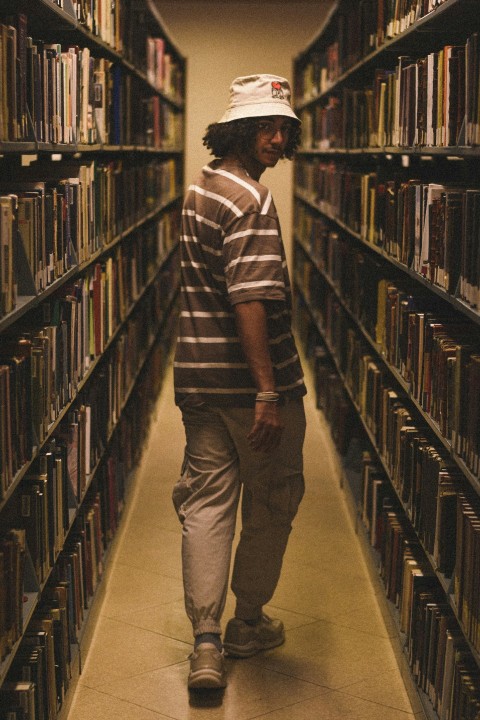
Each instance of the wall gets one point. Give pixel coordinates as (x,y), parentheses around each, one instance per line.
(223,40)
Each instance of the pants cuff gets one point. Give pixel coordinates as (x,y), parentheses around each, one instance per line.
(207,626)
(245,611)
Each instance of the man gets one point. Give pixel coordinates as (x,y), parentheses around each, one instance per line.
(238,381)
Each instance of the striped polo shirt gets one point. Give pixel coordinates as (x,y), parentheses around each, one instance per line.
(231,252)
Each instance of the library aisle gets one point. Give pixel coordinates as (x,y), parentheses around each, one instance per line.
(338,661)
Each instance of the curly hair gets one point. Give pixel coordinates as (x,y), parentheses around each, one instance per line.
(238,136)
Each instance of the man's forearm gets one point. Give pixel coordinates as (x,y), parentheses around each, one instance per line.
(251,319)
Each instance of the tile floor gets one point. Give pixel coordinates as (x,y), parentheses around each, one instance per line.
(338,661)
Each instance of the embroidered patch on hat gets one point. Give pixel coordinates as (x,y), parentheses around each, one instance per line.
(277,91)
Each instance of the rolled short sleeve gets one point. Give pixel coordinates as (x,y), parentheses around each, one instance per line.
(254,259)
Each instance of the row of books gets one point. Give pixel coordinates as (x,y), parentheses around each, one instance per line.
(41,512)
(434,352)
(430,486)
(429,227)
(132,118)
(48,94)
(103,18)
(41,368)
(163,127)
(359,29)
(419,468)
(353,272)
(163,71)
(147,47)
(42,507)
(425,478)
(41,670)
(466,588)
(437,651)
(421,103)
(12,564)
(48,227)
(56,94)
(440,659)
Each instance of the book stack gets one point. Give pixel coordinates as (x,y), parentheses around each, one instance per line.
(50,227)
(102,17)
(64,520)
(357,30)
(376,496)
(92,176)
(406,446)
(386,273)
(12,560)
(466,586)
(429,101)
(163,70)
(67,96)
(429,227)
(40,373)
(435,353)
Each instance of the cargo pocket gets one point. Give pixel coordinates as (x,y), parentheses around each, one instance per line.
(182,490)
(285,498)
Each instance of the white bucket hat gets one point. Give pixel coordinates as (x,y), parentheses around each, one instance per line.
(258,96)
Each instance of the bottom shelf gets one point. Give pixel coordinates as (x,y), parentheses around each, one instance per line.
(420,702)
(80,651)
(64,617)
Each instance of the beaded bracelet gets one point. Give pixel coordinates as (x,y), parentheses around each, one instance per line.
(267,396)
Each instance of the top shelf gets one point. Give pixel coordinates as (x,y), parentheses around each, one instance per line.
(447,23)
(53,24)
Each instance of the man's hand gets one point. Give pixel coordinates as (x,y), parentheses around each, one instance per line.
(267,429)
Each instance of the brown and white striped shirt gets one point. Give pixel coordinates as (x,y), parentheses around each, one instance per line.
(231,252)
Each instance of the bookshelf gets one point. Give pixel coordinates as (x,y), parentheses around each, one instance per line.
(91,182)
(387,308)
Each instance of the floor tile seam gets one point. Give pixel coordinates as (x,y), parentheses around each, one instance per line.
(154,632)
(143,608)
(311,620)
(337,688)
(328,691)
(342,691)
(316,618)
(328,621)
(365,632)
(128,678)
(289,675)
(129,702)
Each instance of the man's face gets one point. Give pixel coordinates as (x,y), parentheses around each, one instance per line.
(272,137)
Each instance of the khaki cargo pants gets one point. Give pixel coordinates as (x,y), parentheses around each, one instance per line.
(218,461)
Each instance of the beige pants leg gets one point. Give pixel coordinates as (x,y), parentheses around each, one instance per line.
(217,460)
(273,487)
